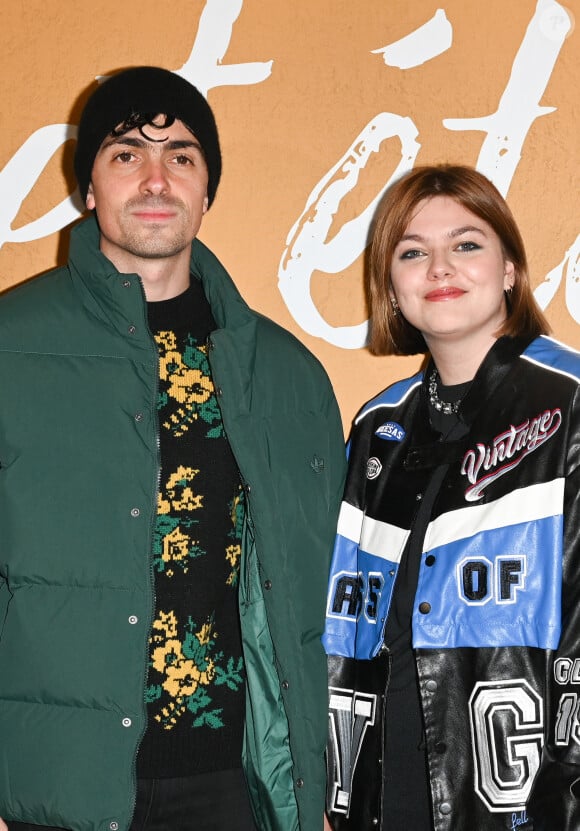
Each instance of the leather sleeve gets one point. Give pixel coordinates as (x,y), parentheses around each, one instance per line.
(555,800)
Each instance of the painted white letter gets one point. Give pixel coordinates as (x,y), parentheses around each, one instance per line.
(425,43)
(508,127)
(306,249)
(19,177)
(204,66)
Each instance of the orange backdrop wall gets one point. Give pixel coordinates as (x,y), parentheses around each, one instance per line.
(320,104)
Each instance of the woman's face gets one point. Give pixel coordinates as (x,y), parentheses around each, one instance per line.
(448,275)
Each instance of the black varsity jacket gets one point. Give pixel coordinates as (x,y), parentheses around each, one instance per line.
(496,617)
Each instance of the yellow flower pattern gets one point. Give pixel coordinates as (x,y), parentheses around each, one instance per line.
(188,667)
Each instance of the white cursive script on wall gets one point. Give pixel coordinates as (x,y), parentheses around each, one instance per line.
(306,247)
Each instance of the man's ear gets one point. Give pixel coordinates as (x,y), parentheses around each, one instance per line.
(90,200)
(205,204)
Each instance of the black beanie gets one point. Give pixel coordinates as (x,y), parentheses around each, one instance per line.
(145,89)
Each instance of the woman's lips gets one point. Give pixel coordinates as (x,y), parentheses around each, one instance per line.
(446,293)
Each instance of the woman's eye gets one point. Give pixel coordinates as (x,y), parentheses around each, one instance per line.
(468,246)
(411,254)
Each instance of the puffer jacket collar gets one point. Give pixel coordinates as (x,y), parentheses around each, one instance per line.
(104,294)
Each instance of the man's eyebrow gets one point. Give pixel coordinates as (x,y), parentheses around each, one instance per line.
(183,144)
(172,144)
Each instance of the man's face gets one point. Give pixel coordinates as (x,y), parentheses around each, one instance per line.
(149,196)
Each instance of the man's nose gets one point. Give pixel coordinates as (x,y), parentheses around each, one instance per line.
(154,179)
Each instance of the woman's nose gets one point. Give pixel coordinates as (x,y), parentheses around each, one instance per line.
(440,265)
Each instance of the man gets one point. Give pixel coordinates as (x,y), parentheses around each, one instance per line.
(171,465)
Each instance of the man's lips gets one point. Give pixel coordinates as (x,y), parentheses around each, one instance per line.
(154,215)
(444,293)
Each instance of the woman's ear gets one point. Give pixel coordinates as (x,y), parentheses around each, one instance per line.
(509,275)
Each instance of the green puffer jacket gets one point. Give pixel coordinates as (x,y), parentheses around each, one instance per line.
(78,493)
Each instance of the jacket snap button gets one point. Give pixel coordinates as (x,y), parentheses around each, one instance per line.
(430,560)
(424,608)
(138,417)
(445,808)
(219,391)
(440,747)
(300,783)
(285,685)
(126,722)
(135,511)
(127,284)
(133,619)
(267,584)
(431,685)
(131,329)
(114,826)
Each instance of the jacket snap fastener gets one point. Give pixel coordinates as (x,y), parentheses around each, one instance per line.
(114,826)
(431,685)
(126,722)
(430,560)
(300,783)
(126,284)
(133,619)
(285,685)
(135,511)
(424,608)
(131,329)
(445,808)
(267,584)
(138,416)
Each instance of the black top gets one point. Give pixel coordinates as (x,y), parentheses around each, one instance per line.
(195,690)
(407,797)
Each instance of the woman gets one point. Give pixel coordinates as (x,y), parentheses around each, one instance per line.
(453,619)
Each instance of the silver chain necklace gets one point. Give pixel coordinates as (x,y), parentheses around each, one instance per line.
(445,407)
